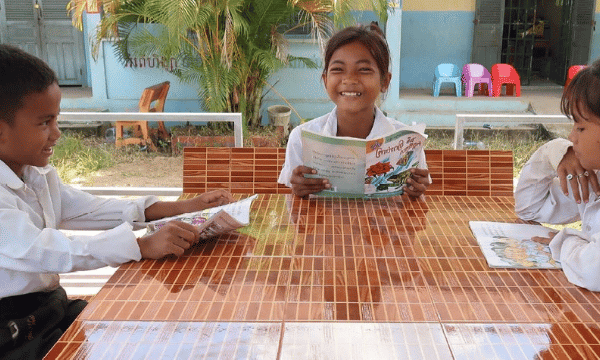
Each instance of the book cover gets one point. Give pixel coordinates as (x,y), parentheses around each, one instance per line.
(507,245)
(360,168)
(213,221)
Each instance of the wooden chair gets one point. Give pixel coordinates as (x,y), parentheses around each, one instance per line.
(256,170)
(152,100)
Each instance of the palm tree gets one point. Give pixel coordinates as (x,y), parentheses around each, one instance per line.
(228,48)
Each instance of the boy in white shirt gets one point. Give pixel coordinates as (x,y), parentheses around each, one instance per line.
(543,194)
(34,204)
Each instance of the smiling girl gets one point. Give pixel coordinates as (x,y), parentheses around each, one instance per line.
(561,165)
(356,71)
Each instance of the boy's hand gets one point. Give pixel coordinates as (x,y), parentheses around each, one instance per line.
(210,199)
(302,186)
(417,183)
(580,178)
(172,239)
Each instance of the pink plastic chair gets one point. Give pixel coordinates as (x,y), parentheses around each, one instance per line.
(573,70)
(476,74)
(505,74)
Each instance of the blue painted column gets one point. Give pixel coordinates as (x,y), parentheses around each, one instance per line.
(97,68)
(393,34)
(96,78)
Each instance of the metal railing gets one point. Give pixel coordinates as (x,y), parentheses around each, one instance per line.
(462,119)
(235,118)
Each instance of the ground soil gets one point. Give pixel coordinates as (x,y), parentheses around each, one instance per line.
(159,171)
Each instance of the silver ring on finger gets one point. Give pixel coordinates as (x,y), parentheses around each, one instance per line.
(569,176)
(581,175)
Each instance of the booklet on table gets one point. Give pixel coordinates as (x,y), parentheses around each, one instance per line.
(213,221)
(507,245)
(360,168)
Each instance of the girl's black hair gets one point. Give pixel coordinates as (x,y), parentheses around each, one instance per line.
(370,36)
(583,92)
(21,74)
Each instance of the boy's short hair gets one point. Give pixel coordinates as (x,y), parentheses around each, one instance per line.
(21,74)
(583,92)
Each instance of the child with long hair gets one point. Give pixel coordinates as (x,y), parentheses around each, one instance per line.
(561,165)
(356,72)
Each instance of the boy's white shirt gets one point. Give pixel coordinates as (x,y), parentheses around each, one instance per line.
(327,125)
(538,197)
(32,249)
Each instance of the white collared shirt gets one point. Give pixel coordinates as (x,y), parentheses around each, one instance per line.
(327,125)
(32,249)
(538,197)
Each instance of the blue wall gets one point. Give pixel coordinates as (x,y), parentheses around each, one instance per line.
(430,38)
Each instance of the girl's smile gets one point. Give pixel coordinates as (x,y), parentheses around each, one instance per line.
(353,82)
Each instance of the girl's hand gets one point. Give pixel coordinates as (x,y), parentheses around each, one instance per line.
(544,240)
(571,172)
(302,186)
(417,183)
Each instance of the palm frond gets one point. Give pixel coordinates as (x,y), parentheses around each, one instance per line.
(75,9)
(309,63)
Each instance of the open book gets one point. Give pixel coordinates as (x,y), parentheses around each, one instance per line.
(213,221)
(364,168)
(509,245)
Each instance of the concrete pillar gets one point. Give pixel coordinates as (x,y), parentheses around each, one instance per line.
(97,68)
(393,35)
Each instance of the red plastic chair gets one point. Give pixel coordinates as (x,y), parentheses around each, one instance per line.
(506,74)
(573,70)
(476,74)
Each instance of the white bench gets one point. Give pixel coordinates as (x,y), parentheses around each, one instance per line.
(462,119)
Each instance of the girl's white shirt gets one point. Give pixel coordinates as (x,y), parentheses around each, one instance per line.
(327,125)
(539,197)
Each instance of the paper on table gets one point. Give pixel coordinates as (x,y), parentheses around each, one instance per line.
(510,245)
(213,221)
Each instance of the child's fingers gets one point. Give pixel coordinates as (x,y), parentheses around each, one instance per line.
(217,197)
(583,183)
(420,172)
(300,170)
(182,230)
(174,249)
(593,179)
(541,239)
(305,189)
(563,179)
(416,187)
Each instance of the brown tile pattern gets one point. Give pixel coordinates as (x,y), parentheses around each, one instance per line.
(340,276)
(256,170)
(470,172)
(239,170)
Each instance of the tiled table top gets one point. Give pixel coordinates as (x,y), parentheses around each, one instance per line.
(340,279)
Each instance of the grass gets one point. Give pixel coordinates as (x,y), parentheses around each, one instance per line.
(77,156)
